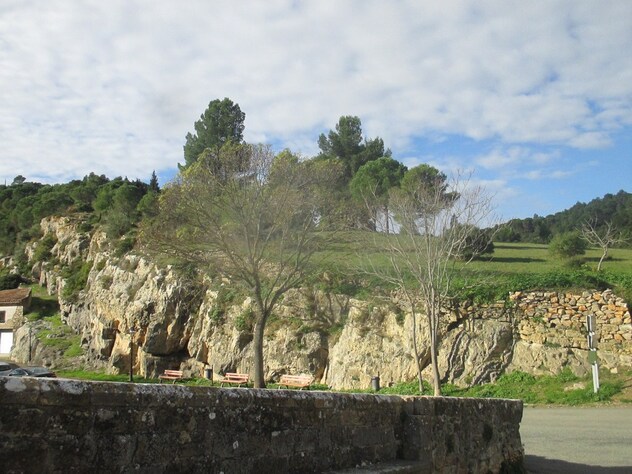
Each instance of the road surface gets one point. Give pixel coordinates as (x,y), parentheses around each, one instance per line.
(595,440)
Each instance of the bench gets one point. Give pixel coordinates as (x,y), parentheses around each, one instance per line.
(234,379)
(298,381)
(171,375)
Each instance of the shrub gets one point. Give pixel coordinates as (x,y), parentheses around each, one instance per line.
(245,321)
(567,245)
(106,282)
(42,251)
(9,281)
(124,246)
(76,276)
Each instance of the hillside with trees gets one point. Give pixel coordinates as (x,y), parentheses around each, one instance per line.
(613,210)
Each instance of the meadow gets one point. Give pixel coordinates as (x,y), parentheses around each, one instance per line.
(356,258)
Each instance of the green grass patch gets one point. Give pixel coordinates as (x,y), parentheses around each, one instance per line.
(58,335)
(562,389)
(350,262)
(100,376)
(43,305)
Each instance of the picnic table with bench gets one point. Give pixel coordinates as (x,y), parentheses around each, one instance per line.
(234,379)
(298,381)
(174,375)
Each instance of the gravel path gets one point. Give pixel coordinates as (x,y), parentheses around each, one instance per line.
(577,440)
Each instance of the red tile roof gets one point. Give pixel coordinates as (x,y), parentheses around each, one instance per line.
(14,297)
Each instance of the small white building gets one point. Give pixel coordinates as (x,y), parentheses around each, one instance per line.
(13,304)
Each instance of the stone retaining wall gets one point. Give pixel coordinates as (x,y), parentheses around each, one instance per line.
(559,319)
(50,425)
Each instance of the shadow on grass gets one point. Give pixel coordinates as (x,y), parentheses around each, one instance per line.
(516,259)
(542,465)
(518,247)
(609,259)
(42,308)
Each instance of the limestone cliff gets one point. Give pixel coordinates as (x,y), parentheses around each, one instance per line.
(341,341)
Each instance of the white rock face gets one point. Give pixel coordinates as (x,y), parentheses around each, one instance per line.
(341,341)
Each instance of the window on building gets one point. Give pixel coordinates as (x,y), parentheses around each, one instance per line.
(3,317)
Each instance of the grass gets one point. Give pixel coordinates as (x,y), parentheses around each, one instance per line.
(529,258)
(55,334)
(512,267)
(100,376)
(43,305)
(562,389)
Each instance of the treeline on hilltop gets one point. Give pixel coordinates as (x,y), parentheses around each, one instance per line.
(366,179)
(117,204)
(612,209)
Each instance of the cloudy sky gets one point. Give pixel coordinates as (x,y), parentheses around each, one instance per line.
(534,98)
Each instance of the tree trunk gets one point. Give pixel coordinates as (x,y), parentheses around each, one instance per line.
(258,352)
(433,356)
(416,350)
(603,257)
(386,218)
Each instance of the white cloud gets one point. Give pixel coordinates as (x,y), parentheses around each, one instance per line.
(113,87)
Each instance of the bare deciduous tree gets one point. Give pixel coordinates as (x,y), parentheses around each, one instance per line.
(605,237)
(439,221)
(251,215)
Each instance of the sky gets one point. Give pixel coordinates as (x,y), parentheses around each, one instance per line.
(533,99)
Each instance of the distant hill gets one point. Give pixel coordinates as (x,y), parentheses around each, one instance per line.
(615,208)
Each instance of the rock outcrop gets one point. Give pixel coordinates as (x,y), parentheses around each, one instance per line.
(176,323)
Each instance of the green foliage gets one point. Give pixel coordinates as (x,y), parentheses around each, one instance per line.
(122,214)
(74,349)
(106,282)
(123,246)
(44,246)
(225,296)
(148,205)
(245,321)
(24,204)
(76,276)
(406,388)
(614,208)
(221,122)
(42,305)
(547,389)
(101,265)
(478,242)
(9,281)
(345,144)
(81,374)
(59,336)
(567,245)
(153,183)
(371,185)
(494,286)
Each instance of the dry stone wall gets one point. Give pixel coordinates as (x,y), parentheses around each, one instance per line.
(558,321)
(51,425)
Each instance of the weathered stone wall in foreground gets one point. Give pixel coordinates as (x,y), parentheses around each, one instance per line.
(51,425)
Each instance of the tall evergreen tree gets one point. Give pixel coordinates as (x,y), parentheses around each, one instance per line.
(345,144)
(221,122)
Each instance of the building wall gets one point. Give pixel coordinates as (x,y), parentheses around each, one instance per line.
(11,313)
(54,425)
(13,318)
